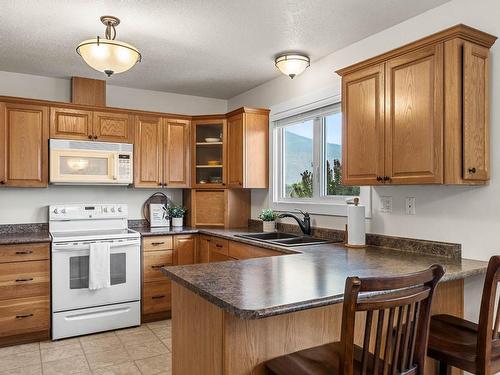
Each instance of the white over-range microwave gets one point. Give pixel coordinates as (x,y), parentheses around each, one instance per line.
(90,163)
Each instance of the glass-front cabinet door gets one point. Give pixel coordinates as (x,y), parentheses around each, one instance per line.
(209,161)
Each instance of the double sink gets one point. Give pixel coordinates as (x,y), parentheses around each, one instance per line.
(283,239)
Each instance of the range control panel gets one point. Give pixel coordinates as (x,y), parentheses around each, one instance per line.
(88,211)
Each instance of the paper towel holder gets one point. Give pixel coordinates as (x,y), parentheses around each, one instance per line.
(355,202)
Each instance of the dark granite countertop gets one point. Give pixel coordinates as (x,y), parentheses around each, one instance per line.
(24,233)
(314,276)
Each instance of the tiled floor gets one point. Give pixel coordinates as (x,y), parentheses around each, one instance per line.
(142,350)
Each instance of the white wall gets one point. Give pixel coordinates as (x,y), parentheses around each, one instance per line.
(19,205)
(467,215)
(58,89)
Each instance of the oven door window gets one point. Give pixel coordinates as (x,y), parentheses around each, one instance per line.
(79,270)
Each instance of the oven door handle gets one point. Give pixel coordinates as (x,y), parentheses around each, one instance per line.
(85,245)
(98,314)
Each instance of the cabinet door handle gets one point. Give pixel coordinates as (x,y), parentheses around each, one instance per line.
(24,252)
(472,170)
(157,243)
(24,280)
(158,266)
(379,179)
(158,297)
(387,178)
(90,137)
(95,136)
(22,316)
(2,182)
(218,245)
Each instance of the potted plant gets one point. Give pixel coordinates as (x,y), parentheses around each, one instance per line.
(177,215)
(268,217)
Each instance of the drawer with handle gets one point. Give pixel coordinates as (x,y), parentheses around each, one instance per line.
(219,245)
(24,315)
(153,262)
(24,279)
(158,243)
(157,297)
(24,252)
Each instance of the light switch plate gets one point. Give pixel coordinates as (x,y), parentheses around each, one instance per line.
(385,204)
(410,205)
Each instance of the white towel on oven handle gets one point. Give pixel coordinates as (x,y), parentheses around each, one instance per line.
(99,265)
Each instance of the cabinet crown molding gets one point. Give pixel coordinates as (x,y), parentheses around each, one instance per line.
(461,31)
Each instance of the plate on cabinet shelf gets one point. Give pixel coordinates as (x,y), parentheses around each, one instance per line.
(212,140)
(209,166)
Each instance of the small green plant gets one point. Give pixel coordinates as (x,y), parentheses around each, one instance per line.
(267,215)
(176,211)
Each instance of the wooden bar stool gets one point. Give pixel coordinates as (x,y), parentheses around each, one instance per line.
(469,346)
(397,311)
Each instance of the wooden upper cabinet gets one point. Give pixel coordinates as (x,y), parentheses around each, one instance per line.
(235,151)
(475,112)
(209,160)
(419,114)
(414,117)
(176,153)
(67,123)
(148,148)
(363,126)
(112,127)
(24,133)
(248,148)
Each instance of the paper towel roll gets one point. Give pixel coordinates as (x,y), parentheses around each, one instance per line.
(355,225)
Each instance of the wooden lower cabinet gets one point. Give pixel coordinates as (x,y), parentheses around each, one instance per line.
(164,251)
(239,250)
(184,250)
(24,293)
(202,248)
(159,252)
(156,300)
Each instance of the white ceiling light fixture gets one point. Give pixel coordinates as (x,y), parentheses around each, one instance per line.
(292,64)
(108,55)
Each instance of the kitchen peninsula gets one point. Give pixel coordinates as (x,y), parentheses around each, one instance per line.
(233,316)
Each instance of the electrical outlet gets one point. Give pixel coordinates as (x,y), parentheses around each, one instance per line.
(385,204)
(410,205)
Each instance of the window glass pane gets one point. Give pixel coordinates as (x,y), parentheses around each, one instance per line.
(333,157)
(298,160)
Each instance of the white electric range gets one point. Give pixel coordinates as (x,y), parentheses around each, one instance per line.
(77,310)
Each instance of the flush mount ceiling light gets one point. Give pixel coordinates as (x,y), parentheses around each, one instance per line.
(292,64)
(108,55)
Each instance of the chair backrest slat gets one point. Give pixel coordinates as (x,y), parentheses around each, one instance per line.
(378,342)
(406,340)
(397,344)
(366,342)
(488,326)
(402,305)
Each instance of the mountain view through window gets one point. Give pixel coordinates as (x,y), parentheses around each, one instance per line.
(298,158)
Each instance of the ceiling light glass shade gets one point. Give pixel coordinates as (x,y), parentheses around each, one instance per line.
(108,56)
(292,65)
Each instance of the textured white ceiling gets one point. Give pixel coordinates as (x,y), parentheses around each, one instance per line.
(213,48)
